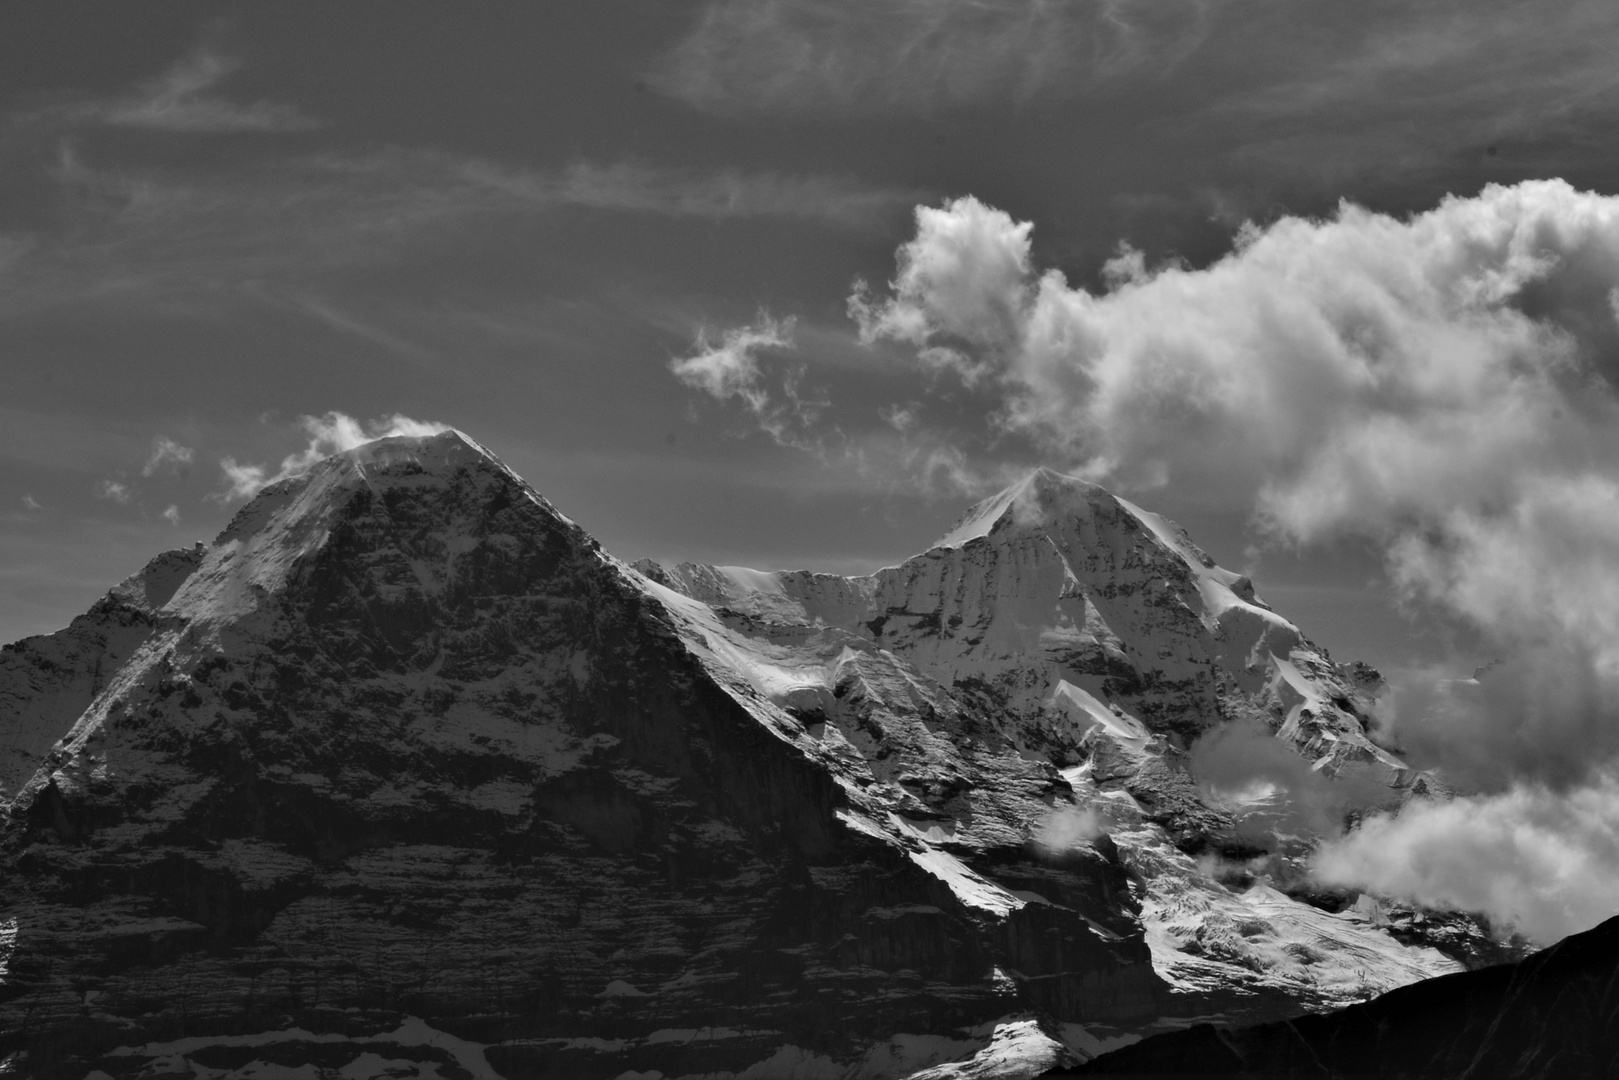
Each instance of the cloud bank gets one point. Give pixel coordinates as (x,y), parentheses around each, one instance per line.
(1548,864)
(330,434)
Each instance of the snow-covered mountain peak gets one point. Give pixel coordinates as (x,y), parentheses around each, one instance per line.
(440,454)
(1043,498)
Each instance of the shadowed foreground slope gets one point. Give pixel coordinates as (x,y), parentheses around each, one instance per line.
(1554,1016)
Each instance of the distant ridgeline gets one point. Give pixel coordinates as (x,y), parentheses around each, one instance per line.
(403,775)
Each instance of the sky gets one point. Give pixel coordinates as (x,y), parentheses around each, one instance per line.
(216,220)
(790,283)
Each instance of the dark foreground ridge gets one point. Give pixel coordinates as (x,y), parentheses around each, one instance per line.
(1554,1016)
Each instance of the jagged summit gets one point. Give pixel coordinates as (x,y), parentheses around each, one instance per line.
(1043,497)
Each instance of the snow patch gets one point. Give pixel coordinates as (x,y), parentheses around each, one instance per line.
(413,1031)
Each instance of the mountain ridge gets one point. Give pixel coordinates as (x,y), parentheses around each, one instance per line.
(401,685)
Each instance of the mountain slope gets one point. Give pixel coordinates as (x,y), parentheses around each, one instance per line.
(1074,627)
(403,768)
(1553,1016)
(405,747)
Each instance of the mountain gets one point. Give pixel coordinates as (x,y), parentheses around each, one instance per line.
(1553,1016)
(403,775)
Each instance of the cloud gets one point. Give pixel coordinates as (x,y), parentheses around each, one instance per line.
(31,503)
(330,434)
(165,451)
(113,491)
(1270,789)
(1400,368)
(284,228)
(909,56)
(1442,386)
(1257,99)
(963,279)
(1544,863)
(1066,828)
(729,369)
(179,101)
(1395,88)
(727,193)
(172,515)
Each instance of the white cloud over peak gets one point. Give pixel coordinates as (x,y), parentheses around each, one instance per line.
(1399,367)
(330,434)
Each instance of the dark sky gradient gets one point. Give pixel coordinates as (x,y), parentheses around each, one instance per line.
(215,219)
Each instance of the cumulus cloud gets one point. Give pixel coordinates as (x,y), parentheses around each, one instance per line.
(1398,366)
(31,503)
(729,368)
(1442,385)
(172,515)
(961,282)
(330,434)
(805,56)
(179,101)
(1545,863)
(165,451)
(113,491)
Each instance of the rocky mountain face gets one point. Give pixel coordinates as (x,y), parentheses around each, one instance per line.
(404,776)
(1554,1016)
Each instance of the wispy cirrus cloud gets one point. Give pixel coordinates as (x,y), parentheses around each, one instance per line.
(144,232)
(1247,95)
(180,101)
(167,452)
(1404,88)
(859,56)
(726,193)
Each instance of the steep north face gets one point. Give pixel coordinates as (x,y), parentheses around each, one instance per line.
(402,775)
